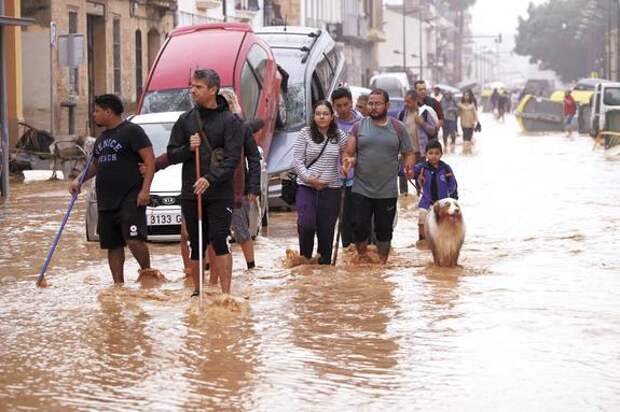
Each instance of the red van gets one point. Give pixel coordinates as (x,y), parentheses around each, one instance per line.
(244,62)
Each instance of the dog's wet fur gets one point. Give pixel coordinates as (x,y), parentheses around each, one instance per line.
(445,232)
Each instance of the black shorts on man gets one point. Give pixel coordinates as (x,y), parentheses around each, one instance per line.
(128,222)
(216,220)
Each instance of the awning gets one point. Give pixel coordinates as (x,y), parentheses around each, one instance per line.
(15,21)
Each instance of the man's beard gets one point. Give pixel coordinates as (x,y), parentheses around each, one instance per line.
(378,116)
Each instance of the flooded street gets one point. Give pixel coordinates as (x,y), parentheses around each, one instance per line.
(531,321)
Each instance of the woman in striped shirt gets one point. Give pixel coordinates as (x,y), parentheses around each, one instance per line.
(317,153)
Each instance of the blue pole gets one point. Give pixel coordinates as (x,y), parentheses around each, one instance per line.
(62,225)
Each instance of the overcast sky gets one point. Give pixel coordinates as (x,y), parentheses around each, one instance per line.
(494,16)
(491,17)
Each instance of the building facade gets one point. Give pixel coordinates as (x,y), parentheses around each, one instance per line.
(355,25)
(119,42)
(429,39)
(10,83)
(192,12)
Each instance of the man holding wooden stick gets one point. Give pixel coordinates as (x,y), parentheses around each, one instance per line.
(213,130)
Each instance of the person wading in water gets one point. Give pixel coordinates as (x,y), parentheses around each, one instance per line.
(208,119)
(122,191)
(372,148)
(317,154)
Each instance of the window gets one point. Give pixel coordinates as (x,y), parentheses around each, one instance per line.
(324,74)
(317,90)
(138,64)
(612,96)
(116,55)
(333,58)
(251,5)
(74,73)
(258,59)
(250,91)
(171,100)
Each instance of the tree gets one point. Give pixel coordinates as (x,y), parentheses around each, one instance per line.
(558,36)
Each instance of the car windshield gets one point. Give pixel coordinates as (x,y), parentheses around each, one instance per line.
(295,105)
(159,135)
(171,100)
(295,98)
(584,87)
(612,96)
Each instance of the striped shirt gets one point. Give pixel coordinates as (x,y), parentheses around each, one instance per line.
(327,167)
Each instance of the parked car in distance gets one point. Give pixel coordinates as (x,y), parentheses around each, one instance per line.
(456,92)
(396,85)
(163,214)
(605,114)
(357,91)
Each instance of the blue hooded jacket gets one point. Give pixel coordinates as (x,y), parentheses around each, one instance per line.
(435,183)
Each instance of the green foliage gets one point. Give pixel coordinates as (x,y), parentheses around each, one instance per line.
(552,37)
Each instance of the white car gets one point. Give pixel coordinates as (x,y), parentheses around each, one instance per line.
(163,214)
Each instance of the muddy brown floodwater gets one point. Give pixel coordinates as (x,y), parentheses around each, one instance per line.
(531,321)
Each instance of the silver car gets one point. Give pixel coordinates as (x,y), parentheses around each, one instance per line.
(163,214)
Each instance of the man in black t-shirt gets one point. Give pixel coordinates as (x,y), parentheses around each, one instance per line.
(122,191)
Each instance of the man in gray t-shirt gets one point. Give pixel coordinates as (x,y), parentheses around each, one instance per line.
(372,148)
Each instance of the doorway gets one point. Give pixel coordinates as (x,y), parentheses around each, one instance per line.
(97,71)
(154,41)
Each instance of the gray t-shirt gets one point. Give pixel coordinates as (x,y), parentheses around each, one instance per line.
(377,157)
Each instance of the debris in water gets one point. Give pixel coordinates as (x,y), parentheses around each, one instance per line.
(150,278)
(351,256)
(230,302)
(293,259)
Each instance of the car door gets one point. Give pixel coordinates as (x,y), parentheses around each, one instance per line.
(596,110)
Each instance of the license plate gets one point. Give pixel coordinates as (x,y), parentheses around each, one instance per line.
(161,219)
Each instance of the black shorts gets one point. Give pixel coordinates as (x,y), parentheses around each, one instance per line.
(128,222)
(216,219)
(363,209)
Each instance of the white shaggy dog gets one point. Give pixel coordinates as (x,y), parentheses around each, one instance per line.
(445,231)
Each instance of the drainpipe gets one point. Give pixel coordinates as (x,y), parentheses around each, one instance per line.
(404,40)
(4,131)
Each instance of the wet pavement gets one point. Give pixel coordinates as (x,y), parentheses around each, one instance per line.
(531,321)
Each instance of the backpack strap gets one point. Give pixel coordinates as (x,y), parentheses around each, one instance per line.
(201,130)
(320,153)
(398,128)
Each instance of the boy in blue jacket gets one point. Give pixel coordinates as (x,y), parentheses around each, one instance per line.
(434,179)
